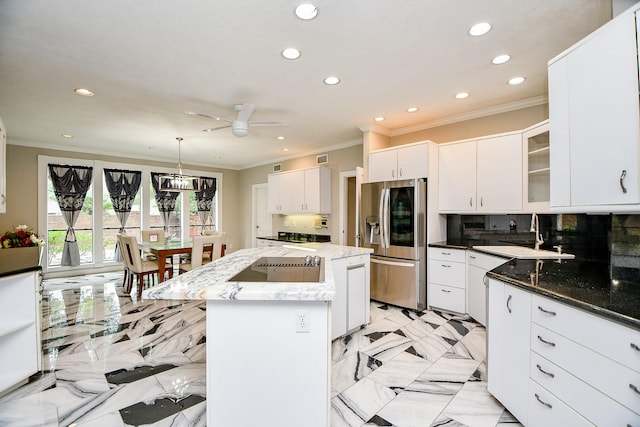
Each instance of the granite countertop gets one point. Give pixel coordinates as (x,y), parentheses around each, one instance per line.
(210,282)
(595,286)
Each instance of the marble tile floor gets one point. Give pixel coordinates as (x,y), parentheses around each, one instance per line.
(111,360)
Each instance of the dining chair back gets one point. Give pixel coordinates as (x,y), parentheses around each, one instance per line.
(198,248)
(139,268)
(153,236)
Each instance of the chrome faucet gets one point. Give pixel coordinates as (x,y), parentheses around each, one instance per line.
(535,228)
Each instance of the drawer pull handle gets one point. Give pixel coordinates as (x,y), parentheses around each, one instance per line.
(548,405)
(444,290)
(546,342)
(508,301)
(635,346)
(545,372)
(445,265)
(622,176)
(446,253)
(634,388)
(552,313)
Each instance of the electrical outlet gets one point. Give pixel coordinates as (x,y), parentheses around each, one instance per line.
(302,320)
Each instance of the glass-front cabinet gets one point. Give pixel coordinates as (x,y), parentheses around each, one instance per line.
(536,167)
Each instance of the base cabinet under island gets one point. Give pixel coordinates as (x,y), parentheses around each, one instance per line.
(551,364)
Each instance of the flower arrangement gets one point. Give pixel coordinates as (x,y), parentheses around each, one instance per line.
(21,236)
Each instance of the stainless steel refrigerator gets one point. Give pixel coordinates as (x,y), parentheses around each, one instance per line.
(393,223)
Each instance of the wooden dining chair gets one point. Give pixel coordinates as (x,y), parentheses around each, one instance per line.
(139,268)
(127,277)
(198,248)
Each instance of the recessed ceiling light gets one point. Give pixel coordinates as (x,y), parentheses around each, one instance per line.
(280,138)
(306,11)
(461,95)
(412,109)
(379,119)
(480,29)
(217,157)
(83,92)
(500,59)
(516,80)
(285,149)
(332,80)
(291,53)
(66,135)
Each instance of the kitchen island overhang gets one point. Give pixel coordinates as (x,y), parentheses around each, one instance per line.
(288,383)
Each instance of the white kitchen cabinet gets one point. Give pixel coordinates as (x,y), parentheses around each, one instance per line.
(447,280)
(477,266)
(405,162)
(484,175)
(536,167)
(3,168)
(594,121)
(508,336)
(300,191)
(350,308)
(19,327)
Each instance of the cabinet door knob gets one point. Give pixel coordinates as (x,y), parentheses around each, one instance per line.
(622,177)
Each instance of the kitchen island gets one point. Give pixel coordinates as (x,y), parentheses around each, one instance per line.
(289,321)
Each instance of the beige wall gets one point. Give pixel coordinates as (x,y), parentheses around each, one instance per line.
(22,187)
(342,160)
(489,125)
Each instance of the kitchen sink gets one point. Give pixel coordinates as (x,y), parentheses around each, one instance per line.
(283,269)
(522,252)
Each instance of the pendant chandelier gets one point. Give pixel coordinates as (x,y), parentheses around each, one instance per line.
(179,181)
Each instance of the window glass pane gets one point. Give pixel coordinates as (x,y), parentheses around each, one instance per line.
(111,223)
(195,223)
(57,228)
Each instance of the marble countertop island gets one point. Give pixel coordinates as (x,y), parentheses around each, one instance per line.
(211,281)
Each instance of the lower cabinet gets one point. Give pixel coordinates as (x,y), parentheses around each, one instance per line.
(19,328)
(477,266)
(581,369)
(350,309)
(509,317)
(447,279)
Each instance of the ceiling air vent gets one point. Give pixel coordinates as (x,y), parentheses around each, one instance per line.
(277,168)
(322,159)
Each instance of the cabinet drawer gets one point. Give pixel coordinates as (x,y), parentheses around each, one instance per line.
(447,298)
(453,255)
(610,339)
(447,273)
(611,378)
(547,410)
(484,261)
(589,402)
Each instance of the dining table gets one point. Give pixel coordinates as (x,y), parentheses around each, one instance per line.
(167,249)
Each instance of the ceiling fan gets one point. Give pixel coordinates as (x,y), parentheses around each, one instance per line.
(240,126)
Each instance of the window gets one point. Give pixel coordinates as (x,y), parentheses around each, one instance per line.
(97,223)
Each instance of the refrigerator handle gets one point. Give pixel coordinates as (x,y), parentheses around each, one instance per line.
(387,218)
(381,218)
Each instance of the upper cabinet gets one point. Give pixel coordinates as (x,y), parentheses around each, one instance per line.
(3,170)
(536,168)
(484,175)
(594,121)
(405,162)
(300,191)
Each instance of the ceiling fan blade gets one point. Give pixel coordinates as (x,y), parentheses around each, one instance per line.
(206,116)
(268,123)
(245,111)
(216,128)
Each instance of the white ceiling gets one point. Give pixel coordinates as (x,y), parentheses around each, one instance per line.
(150,61)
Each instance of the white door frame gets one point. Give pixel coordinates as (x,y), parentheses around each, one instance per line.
(254,219)
(358,173)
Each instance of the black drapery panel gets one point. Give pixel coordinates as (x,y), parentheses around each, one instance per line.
(123,186)
(70,184)
(204,199)
(166,200)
